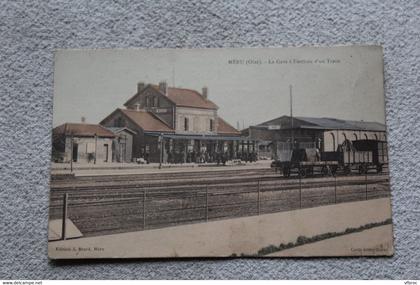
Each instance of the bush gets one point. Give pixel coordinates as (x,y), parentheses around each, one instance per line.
(301,240)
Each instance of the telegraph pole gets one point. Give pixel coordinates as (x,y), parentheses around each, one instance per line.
(71,153)
(291,115)
(96,143)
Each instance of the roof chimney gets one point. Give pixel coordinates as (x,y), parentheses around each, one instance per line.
(83,119)
(163,87)
(140,86)
(204,92)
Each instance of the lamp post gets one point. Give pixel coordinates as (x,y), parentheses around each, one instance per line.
(71,153)
(291,115)
(161,150)
(96,142)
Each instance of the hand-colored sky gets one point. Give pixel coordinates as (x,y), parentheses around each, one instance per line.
(93,83)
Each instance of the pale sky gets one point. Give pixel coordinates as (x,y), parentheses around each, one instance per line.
(341,82)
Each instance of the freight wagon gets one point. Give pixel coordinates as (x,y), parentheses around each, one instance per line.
(360,155)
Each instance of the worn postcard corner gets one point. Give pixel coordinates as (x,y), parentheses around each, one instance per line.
(275,152)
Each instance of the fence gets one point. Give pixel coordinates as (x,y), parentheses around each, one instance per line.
(124,209)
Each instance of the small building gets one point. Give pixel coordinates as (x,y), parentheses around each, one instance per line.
(122,144)
(81,142)
(326,134)
(177,125)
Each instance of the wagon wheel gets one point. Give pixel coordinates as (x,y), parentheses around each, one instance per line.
(310,171)
(302,172)
(286,171)
(347,169)
(325,170)
(362,169)
(379,168)
(333,170)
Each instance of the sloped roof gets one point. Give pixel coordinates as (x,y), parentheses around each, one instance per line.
(117,130)
(146,120)
(332,123)
(82,130)
(325,123)
(181,97)
(187,98)
(224,128)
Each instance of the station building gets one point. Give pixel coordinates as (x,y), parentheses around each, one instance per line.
(178,125)
(122,144)
(81,142)
(326,134)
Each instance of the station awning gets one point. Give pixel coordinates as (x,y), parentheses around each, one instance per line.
(199,137)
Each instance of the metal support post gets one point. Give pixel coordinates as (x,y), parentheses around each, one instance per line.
(161,151)
(300,190)
(259,198)
(144,209)
(64,221)
(207,203)
(335,189)
(71,153)
(366,185)
(96,146)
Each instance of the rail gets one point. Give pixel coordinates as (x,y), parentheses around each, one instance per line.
(150,206)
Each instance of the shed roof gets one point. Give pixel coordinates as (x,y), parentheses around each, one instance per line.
(332,123)
(324,124)
(82,130)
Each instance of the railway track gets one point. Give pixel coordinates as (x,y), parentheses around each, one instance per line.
(168,174)
(108,205)
(171,179)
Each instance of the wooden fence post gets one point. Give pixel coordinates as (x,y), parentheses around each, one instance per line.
(300,191)
(259,198)
(64,221)
(144,208)
(335,189)
(366,185)
(207,203)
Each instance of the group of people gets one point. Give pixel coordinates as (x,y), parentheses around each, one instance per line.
(208,157)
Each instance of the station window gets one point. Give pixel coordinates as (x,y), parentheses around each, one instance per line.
(119,122)
(155,101)
(147,101)
(211,125)
(333,142)
(186,124)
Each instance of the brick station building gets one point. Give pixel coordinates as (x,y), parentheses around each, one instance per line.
(178,125)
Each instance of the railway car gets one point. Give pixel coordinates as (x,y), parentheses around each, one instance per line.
(360,155)
(307,161)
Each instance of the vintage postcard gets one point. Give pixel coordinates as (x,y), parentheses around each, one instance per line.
(264,152)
